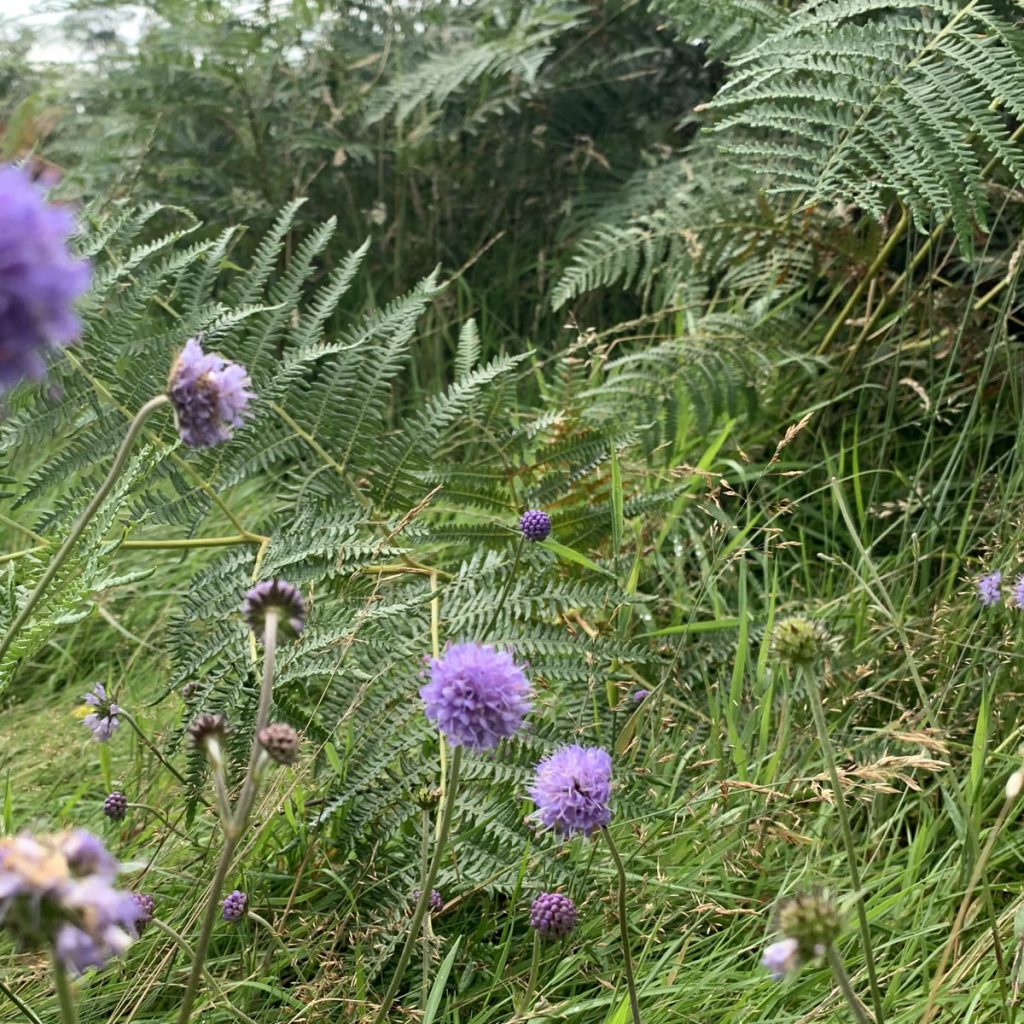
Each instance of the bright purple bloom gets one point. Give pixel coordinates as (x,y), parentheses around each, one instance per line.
(115,807)
(641,695)
(990,588)
(104,721)
(535,524)
(284,599)
(235,906)
(209,395)
(39,278)
(781,958)
(573,788)
(477,695)
(553,915)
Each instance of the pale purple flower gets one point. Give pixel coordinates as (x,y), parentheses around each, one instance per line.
(284,599)
(572,789)
(990,588)
(1018,592)
(641,695)
(209,395)
(39,278)
(86,855)
(781,958)
(436,902)
(476,695)
(104,721)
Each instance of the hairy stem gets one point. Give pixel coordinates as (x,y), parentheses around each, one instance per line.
(857,1008)
(65,997)
(627,957)
(83,521)
(428,885)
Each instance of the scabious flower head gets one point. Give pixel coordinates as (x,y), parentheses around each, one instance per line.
(147,909)
(641,695)
(436,903)
(39,278)
(781,958)
(990,588)
(553,915)
(189,691)
(476,695)
(572,789)
(812,920)
(535,524)
(115,807)
(284,599)
(104,721)
(235,906)
(57,892)
(1018,592)
(209,395)
(207,727)
(281,742)
(800,641)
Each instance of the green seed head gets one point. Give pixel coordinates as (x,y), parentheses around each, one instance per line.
(812,919)
(800,641)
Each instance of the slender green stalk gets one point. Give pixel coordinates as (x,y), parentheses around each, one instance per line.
(634,1003)
(508,586)
(83,521)
(424,868)
(428,884)
(531,984)
(857,1008)
(20,1003)
(171,544)
(65,997)
(818,714)
(152,746)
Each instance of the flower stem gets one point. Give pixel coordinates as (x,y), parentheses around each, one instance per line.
(531,984)
(20,1003)
(857,1008)
(68,1013)
(508,586)
(428,885)
(818,714)
(83,521)
(634,1003)
(152,746)
(424,868)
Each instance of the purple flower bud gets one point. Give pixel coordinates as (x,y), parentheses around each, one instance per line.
(535,524)
(235,906)
(284,599)
(990,588)
(207,727)
(641,695)
(572,789)
(209,395)
(436,904)
(189,691)
(553,915)
(781,958)
(281,742)
(104,721)
(146,909)
(39,278)
(115,807)
(477,695)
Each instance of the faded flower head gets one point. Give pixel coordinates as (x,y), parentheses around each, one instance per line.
(39,278)
(990,588)
(477,695)
(207,727)
(812,920)
(235,906)
(281,597)
(800,641)
(209,395)
(535,524)
(189,691)
(57,892)
(553,915)
(572,789)
(147,908)
(281,742)
(781,958)
(436,903)
(115,807)
(104,721)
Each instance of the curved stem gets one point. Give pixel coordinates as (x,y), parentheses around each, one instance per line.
(818,714)
(83,521)
(634,1003)
(129,718)
(65,997)
(428,885)
(857,1008)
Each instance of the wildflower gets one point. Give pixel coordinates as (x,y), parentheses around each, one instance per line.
(235,906)
(189,691)
(115,807)
(553,915)
(782,957)
(207,727)
(284,599)
(641,695)
(800,641)
(436,901)
(104,721)
(477,695)
(209,395)
(57,892)
(146,907)
(572,790)
(535,524)
(1018,592)
(990,588)
(39,278)
(281,742)
(812,920)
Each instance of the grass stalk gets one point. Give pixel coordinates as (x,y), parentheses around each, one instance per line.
(634,1003)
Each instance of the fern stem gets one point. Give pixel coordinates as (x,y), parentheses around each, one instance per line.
(508,586)
(627,957)
(83,521)
(15,525)
(12,556)
(428,885)
(818,714)
(857,1008)
(65,997)
(193,542)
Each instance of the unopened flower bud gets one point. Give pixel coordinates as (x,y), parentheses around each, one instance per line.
(801,642)
(281,742)
(812,920)
(278,597)
(207,727)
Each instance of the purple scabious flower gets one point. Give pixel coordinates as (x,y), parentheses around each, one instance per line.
(284,599)
(476,695)
(235,906)
(572,789)
(104,721)
(641,695)
(436,903)
(990,588)
(115,807)
(146,907)
(553,915)
(535,524)
(781,958)
(39,278)
(209,395)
